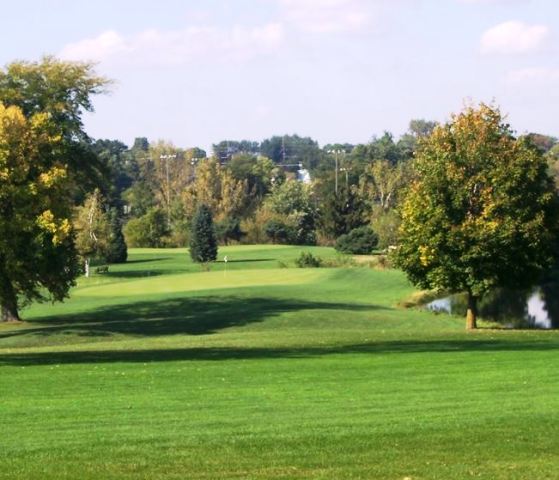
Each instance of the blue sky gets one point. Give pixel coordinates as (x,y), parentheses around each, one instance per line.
(198,72)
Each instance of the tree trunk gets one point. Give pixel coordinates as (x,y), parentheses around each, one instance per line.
(9,314)
(471,314)
(87,267)
(8,304)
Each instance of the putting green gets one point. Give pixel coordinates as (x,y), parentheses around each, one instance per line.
(205,281)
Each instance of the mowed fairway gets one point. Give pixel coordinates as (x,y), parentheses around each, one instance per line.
(161,370)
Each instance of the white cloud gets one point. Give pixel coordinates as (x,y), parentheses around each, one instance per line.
(327,16)
(533,76)
(513,37)
(176,47)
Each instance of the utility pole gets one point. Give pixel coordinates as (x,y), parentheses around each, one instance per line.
(167,158)
(336,152)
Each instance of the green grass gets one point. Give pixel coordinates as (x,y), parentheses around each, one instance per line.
(162,370)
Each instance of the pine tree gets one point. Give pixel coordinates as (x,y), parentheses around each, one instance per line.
(117,251)
(203,243)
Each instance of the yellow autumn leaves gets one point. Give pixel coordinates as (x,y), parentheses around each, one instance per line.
(27,172)
(59,228)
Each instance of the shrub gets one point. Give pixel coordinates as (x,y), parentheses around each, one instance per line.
(149,230)
(308,260)
(360,241)
(229,229)
(279,232)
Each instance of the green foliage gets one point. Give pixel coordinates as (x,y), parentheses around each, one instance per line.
(203,242)
(386,224)
(421,128)
(360,241)
(339,214)
(63,91)
(308,260)
(229,229)
(149,230)
(293,206)
(290,149)
(117,251)
(93,229)
(225,150)
(37,251)
(481,212)
(140,198)
(279,232)
(118,170)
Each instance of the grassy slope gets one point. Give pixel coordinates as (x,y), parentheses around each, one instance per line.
(159,370)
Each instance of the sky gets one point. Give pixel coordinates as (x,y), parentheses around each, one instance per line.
(197,72)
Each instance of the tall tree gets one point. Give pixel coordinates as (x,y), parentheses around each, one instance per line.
(339,214)
(37,254)
(149,230)
(382,182)
(480,213)
(119,171)
(93,229)
(45,156)
(216,188)
(292,149)
(203,243)
(117,250)
(63,90)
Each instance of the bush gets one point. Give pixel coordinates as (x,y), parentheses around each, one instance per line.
(229,229)
(179,236)
(360,241)
(308,260)
(295,230)
(279,232)
(149,230)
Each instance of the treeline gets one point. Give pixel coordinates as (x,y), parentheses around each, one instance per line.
(66,199)
(285,189)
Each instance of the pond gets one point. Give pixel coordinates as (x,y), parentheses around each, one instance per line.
(535,308)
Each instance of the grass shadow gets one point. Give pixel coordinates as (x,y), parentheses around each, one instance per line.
(173,316)
(145,260)
(221,354)
(248,260)
(136,273)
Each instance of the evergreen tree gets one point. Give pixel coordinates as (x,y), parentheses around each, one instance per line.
(117,251)
(203,243)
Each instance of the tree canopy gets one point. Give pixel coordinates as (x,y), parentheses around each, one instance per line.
(37,255)
(480,212)
(44,157)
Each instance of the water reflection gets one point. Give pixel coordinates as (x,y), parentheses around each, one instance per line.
(535,308)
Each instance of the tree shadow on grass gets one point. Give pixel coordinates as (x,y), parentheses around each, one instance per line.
(136,273)
(230,353)
(147,260)
(247,260)
(173,316)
